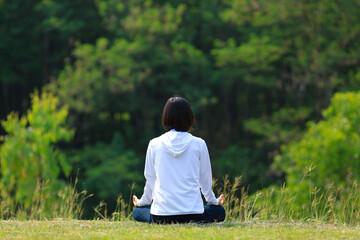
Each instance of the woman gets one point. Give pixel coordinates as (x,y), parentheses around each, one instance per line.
(177,167)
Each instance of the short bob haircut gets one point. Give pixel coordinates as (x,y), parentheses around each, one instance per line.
(178,115)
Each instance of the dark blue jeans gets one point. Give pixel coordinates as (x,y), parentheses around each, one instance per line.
(212,213)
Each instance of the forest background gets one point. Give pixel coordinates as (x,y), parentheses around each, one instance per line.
(259,74)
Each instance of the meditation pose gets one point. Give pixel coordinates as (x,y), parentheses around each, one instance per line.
(177,168)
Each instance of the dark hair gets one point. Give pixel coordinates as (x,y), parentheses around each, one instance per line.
(178,115)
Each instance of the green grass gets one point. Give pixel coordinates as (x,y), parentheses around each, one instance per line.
(100,229)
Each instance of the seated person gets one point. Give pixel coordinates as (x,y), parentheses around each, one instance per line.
(177,168)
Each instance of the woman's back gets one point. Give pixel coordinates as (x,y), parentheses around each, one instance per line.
(177,168)
(180,164)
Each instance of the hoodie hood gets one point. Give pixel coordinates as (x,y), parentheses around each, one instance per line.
(175,142)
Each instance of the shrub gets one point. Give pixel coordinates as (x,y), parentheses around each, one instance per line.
(328,154)
(28,155)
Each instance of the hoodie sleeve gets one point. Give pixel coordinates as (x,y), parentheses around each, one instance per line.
(206,176)
(150,177)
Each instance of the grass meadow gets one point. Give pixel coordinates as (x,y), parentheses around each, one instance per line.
(126,229)
(105,229)
(272,213)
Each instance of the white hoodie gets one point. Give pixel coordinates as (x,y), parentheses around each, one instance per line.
(177,166)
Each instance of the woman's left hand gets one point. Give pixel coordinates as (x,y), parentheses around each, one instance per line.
(135,200)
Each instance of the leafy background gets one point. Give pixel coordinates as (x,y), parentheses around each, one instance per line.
(259,74)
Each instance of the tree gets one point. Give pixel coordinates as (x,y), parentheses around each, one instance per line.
(119,86)
(132,76)
(29,154)
(254,75)
(282,65)
(37,38)
(328,153)
(107,170)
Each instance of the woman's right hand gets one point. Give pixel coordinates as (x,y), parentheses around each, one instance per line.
(221,200)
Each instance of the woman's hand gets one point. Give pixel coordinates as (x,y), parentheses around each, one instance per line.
(221,200)
(135,200)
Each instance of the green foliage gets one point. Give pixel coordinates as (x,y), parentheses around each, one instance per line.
(336,205)
(256,59)
(237,160)
(328,153)
(254,75)
(132,75)
(141,19)
(254,71)
(28,154)
(67,203)
(36,37)
(281,127)
(107,169)
(100,73)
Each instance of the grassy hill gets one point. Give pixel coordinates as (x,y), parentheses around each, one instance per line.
(99,229)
